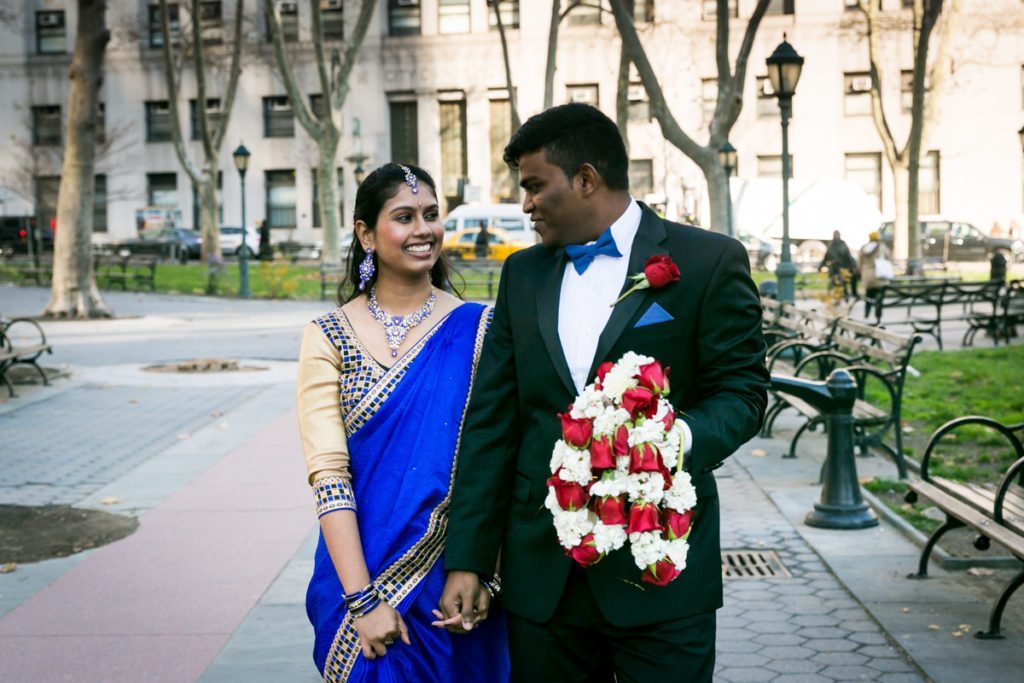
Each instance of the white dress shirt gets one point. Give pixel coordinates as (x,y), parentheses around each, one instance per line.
(585,301)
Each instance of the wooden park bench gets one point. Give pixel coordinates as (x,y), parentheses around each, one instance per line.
(22,342)
(995,512)
(928,304)
(39,270)
(136,270)
(878,360)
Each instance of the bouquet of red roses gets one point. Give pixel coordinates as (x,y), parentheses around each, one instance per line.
(617,474)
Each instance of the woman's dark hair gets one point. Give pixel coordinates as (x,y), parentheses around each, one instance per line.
(376,189)
(573,135)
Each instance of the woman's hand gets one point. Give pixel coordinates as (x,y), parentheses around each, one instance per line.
(379,629)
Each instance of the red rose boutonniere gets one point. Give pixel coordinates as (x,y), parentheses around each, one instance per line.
(659,271)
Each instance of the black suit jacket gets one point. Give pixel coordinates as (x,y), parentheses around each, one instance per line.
(715,351)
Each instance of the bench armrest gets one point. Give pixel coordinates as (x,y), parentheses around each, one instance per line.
(1015,470)
(8,324)
(953,425)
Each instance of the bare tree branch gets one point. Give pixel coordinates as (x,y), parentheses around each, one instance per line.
(516,123)
(193,171)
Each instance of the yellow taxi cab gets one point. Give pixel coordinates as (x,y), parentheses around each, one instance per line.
(461,244)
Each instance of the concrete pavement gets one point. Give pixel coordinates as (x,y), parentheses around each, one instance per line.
(211,586)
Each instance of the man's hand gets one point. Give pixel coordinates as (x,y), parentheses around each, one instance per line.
(464,601)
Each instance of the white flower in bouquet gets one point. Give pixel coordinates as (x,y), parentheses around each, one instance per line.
(559,454)
(590,403)
(648,547)
(614,483)
(676,552)
(647,486)
(680,495)
(647,431)
(609,420)
(575,466)
(609,537)
(572,526)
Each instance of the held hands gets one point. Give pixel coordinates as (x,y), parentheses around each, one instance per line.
(464,602)
(379,629)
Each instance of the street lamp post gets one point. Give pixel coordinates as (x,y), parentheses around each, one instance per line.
(727,157)
(784,67)
(241,156)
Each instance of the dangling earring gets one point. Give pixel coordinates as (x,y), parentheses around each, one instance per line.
(366,270)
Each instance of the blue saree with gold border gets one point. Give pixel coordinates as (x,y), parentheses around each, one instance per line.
(403,425)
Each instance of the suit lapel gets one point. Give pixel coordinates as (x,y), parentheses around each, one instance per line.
(547,316)
(646,244)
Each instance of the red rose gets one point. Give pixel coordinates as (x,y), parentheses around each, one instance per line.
(622,444)
(576,432)
(603,370)
(660,271)
(570,495)
(585,553)
(640,401)
(669,420)
(611,510)
(652,376)
(643,517)
(645,458)
(601,455)
(661,573)
(677,524)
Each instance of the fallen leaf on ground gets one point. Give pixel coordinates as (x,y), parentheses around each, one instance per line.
(759,452)
(109,500)
(905,610)
(966,628)
(182,437)
(980,571)
(8,568)
(934,627)
(134,401)
(958,634)
(216,413)
(222,425)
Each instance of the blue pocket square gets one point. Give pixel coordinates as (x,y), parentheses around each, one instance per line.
(652,316)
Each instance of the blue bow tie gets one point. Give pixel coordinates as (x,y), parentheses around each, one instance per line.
(582,255)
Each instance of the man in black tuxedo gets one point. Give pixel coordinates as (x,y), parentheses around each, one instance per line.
(554,323)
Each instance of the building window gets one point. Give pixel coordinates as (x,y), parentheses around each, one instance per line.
(404,135)
(509,13)
(767,105)
(316,106)
(332,19)
(453,151)
(158,121)
(583,94)
(196,221)
(280,198)
(586,14)
(770,166)
(278,121)
(866,171)
(709,99)
(780,7)
(643,11)
(906,90)
(162,190)
(101,123)
(211,22)
(710,10)
(288,18)
(928,184)
(453,16)
(47,188)
(46,126)
(641,177)
(99,206)
(51,33)
(857,93)
(403,17)
(504,181)
(639,104)
(156,36)
(213,115)
(316,197)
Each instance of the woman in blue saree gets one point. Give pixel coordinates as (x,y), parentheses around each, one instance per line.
(382,389)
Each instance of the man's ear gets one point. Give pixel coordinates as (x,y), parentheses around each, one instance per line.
(587,179)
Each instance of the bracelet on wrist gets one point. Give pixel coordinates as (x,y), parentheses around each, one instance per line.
(362,602)
(493,586)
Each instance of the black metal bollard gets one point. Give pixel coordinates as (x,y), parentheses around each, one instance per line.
(841,505)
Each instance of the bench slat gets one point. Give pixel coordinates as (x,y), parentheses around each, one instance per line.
(969,516)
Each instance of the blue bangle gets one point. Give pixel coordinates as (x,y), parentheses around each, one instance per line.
(362,602)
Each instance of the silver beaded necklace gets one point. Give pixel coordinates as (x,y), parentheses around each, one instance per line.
(396,327)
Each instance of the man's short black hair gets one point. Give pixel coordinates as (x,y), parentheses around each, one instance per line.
(573,135)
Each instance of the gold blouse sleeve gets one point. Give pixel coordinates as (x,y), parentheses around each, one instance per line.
(321,428)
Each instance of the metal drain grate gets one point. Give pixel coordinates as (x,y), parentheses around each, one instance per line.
(752,564)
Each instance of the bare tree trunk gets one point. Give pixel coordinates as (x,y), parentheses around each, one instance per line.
(622,87)
(552,61)
(73,291)
(512,98)
(727,108)
(327,188)
(901,193)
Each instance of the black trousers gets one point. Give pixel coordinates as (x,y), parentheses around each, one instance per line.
(578,645)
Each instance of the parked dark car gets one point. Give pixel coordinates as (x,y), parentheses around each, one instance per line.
(163,242)
(944,240)
(15,232)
